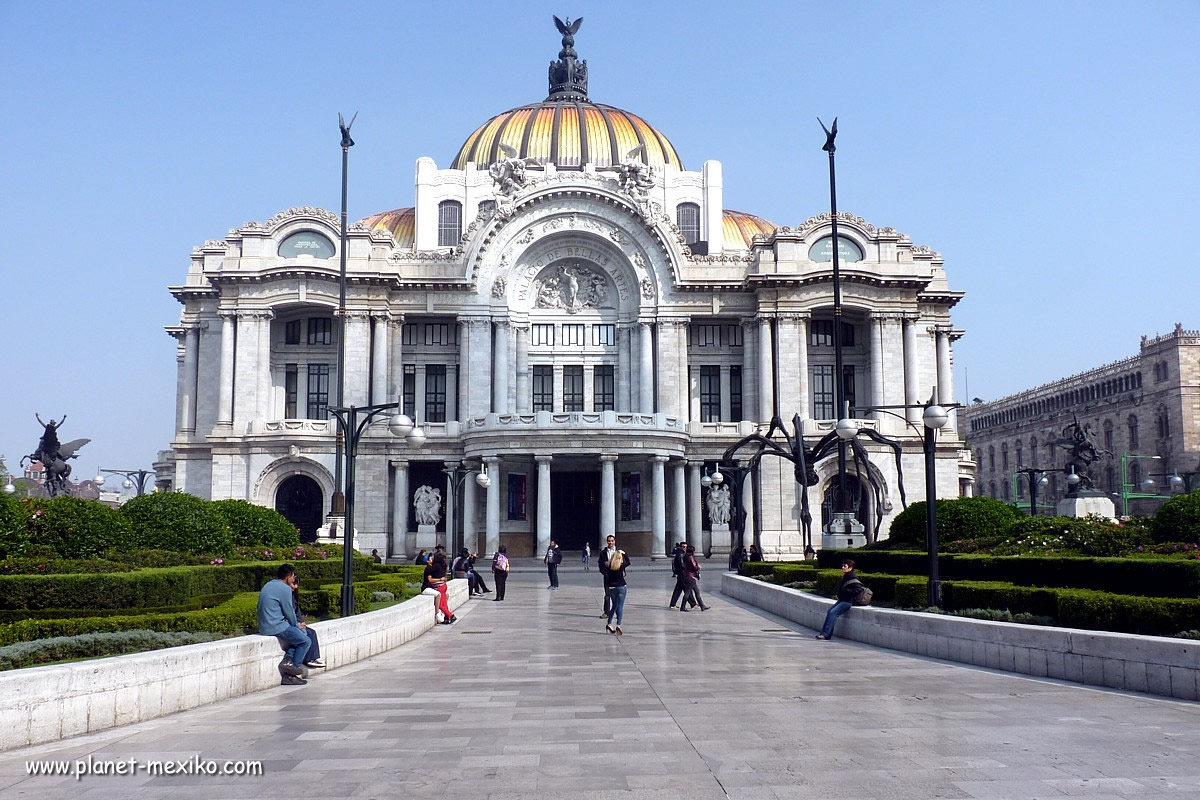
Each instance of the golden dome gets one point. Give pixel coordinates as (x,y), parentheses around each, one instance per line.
(401,223)
(740,229)
(568,133)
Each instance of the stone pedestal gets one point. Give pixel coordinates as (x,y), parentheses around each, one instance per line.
(334,528)
(427,537)
(1084,503)
(843,531)
(721,544)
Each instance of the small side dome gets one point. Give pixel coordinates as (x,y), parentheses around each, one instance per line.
(740,229)
(401,223)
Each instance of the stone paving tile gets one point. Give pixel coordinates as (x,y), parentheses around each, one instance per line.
(696,706)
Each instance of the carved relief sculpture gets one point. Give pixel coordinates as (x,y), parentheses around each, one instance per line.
(572,287)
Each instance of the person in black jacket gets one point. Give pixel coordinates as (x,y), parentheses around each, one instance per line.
(677,571)
(845,598)
(552,560)
(613,563)
(691,580)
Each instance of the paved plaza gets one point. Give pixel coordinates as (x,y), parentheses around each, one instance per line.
(531,698)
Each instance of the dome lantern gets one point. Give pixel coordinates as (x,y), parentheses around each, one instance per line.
(568,75)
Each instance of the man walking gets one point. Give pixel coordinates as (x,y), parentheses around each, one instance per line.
(553,559)
(677,571)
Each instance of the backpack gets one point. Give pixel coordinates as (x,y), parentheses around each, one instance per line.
(864,595)
(500,563)
(555,555)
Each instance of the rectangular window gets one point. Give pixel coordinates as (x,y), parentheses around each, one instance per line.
(735,394)
(318,391)
(572,334)
(604,335)
(705,335)
(408,334)
(687,217)
(543,388)
(516,496)
(822,391)
(435,392)
(291,332)
(449,223)
(848,393)
(847,335)
(631,496)
(733,335)
(710,394)
(572,388)
(438,333)
(320,330)
(604,390)
(1108,439)
(410,391)
(543,334)
(291,387)
(821,335)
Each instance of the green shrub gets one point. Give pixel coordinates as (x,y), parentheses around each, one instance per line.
(750,569)
(180,522)
(191,604)
(1160,616)
(94,645)
(883,587)
(14,533)
(959,518)
(1178,519)
(256,526)
(237,615)
(912,593)
(957,595)
(787,572)
(382,597)
(155,587)
(1004,615)
(75,528)
(1089,536)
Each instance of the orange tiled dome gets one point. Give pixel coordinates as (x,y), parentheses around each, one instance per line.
(401,223)
(740,229)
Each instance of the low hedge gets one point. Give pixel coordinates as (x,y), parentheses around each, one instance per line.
(882,586)
(790,573)
(752,569)
(1135,576)
(192,604)
(155,587)
(326,600)
(236,615)
(95,645)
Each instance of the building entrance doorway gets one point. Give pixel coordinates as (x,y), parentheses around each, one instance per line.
(575,509)
(299,498)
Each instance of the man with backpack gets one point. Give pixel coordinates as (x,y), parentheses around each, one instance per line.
(553,559)
(850,592)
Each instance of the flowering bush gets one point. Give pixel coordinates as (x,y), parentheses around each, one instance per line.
(1178,520)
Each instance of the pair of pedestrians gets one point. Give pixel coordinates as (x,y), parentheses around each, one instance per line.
(686,569)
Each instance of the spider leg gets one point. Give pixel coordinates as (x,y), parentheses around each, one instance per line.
(876,436)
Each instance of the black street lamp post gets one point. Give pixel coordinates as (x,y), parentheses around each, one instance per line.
(457,474)
(934,417)
(338,501)
(133,477)
(351,427)
(1037,480)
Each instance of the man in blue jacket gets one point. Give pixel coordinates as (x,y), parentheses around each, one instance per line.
(277,618)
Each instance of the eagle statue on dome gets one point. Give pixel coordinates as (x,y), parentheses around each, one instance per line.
(568,29)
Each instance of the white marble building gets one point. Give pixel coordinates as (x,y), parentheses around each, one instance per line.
(569,307)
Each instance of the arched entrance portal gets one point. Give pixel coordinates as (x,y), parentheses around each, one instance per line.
(860,502)
(299,499)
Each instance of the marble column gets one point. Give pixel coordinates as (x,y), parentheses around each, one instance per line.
(500,370)
(464,372)
(876,345)
(379,359)
(912,389)
(245,368)
(805,407)
(358,351)
(679,501)
(399,545)
(395,384)
(479,385)
(697,536)
(749,370)
(608,496)
(492,536)
(659,544)
(945,373)
(470,534)
(543,507)
(624,371)
(646,369)
(187,401)
(263,372)
(766,371)
(688,383)
(524,392)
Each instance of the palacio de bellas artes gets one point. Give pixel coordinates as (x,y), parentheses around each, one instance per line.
(567,309)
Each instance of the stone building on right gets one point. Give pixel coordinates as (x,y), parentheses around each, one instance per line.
(1144,410)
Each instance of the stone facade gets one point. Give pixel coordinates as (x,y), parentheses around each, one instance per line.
(1144,410)
(593,341)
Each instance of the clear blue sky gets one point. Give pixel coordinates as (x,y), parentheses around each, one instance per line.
(1047,150)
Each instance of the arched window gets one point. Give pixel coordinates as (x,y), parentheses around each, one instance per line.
(1132,424)
(1135,476)
(687,217)
(1007,491)
(1110,479)
(1020,455)
(1033,452)
(992,489)
(1108,435)
(1163,422)
(992,459)
(1004,456)
(449,223)
(487,207)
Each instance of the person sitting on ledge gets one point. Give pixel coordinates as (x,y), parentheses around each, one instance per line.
(277,618)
